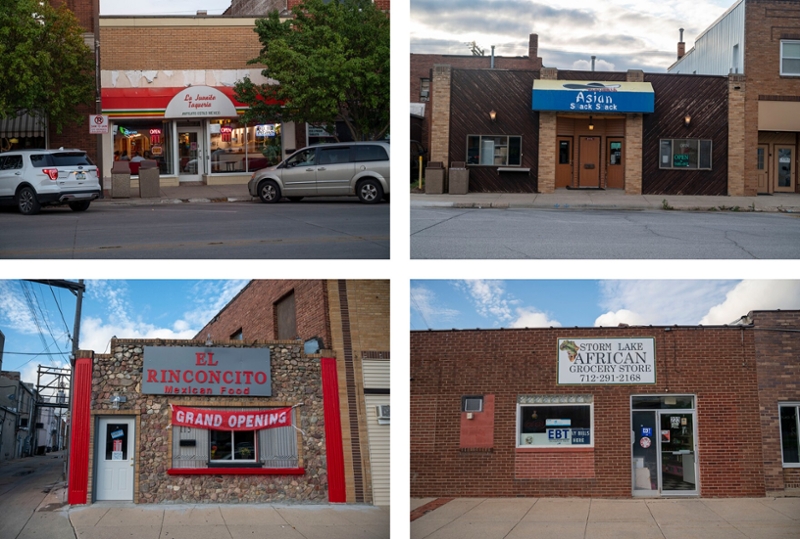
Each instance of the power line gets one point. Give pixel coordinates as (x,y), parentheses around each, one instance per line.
(37,353)
(59,308)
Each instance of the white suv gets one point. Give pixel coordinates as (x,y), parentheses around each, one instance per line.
(343,168)
(31,179)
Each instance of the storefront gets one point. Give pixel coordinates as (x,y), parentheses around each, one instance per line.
(173,421)
(605,412)
(195,134)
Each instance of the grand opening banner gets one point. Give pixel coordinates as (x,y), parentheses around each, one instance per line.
(230,419)
(607,361)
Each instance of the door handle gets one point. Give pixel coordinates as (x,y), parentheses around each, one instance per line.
(321,168)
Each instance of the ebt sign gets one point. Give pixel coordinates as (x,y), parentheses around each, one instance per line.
(606,361)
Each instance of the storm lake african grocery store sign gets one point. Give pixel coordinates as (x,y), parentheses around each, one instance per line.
(592,96)
(606,361)
(175,370)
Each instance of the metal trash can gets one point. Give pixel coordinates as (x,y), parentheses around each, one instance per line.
(458,178)
(121,179)
(149,179)
(435,178)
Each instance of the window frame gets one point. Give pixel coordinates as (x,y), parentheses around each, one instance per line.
(570,447)
(782,57)
(464,400)
(424,98)
(507,146)
(233,460)
(699,141)
(796,406)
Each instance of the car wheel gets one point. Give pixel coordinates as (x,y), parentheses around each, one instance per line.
(295,199)
(81,205)
(370,191)
(26,201)
(269,192)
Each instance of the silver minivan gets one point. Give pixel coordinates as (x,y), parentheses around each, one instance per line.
(343,168)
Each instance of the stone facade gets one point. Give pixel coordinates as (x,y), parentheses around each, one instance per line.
(296,379)
(440,115)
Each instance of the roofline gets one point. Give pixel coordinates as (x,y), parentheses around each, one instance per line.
(704,32)
(579,328)
(216,316)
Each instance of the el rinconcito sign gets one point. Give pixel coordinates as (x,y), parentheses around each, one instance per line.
(607,361)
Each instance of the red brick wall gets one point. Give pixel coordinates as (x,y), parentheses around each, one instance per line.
(422,68)
(778,381)
(253,311)
(715,364)
(766,23)
(478,432)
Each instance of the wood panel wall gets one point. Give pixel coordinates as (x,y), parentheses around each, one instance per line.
(475,92)
(705,99)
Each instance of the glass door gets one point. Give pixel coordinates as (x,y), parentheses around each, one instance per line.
(677,448)
(645,453)
(191,165)
(784,167)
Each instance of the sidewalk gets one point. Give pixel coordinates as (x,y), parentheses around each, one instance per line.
(584,518)
(181,195)
(612,200)
(108,520)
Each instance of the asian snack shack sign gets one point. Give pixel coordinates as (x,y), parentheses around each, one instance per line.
(179,370)
(606,361)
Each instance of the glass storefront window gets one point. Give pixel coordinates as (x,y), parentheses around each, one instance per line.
(135,140)
(555,425)
(237,147)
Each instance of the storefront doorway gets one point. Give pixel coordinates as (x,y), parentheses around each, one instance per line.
(589,162)
(664,450)
(191,164)
(115,462)
(776,162)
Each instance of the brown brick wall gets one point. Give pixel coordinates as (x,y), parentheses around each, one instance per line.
(85,11)
(715,364)
(139,47)
(253,311)
(766,22)
(777,343)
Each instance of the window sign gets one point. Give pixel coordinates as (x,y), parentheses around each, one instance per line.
(265,131)
(559,436)
(558,422)
(117,434)
(606,361)
(580,436)
(680,160)
(647,431)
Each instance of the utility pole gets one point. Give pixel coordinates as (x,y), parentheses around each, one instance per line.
(78,289)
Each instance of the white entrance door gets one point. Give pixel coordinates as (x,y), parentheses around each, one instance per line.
(191,163)
(115,450)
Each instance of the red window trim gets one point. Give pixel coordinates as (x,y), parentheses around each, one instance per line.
(236,471)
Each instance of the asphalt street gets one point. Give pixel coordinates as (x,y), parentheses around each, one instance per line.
(601,234)
(315,229)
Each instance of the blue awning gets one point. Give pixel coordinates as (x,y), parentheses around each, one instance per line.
(593,97)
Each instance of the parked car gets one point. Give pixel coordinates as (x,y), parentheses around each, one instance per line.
(346,168)
(31,179)
(417,150)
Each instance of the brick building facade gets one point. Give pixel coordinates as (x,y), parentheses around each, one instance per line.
(475,395)
(352,320)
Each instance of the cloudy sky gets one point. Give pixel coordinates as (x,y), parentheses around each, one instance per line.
(623,34)
(160,7)
(513,304)
(37,320)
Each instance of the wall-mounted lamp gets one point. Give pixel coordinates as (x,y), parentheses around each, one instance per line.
(116,400)
(591,124)
(13,140)
(687,120)
(493,115)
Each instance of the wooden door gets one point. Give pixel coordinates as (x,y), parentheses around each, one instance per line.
(615,164)
(784,168)
(564,161)
(763,167)
(589,162)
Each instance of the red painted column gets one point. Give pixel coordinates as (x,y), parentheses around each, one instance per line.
(333,432)
(79,441)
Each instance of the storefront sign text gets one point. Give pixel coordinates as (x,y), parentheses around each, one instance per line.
(606,361)
(593,97)
(206,371)
(199,101)
(231,420)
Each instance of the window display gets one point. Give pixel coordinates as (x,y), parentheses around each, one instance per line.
(137,140)
(236,147)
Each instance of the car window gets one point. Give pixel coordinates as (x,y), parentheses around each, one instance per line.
(331,156)
(303,158)
(68,159)
(371,152)
(11,162)
(40,160)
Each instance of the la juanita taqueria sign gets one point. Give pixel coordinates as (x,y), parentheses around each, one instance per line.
(181,370)
(607,361)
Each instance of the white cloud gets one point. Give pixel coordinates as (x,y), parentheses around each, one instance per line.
(14,310)
(754,295)
(531,318)
(425,302)
(659,302)
(622,316)
(599,65)
(488,298)
(209,299)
